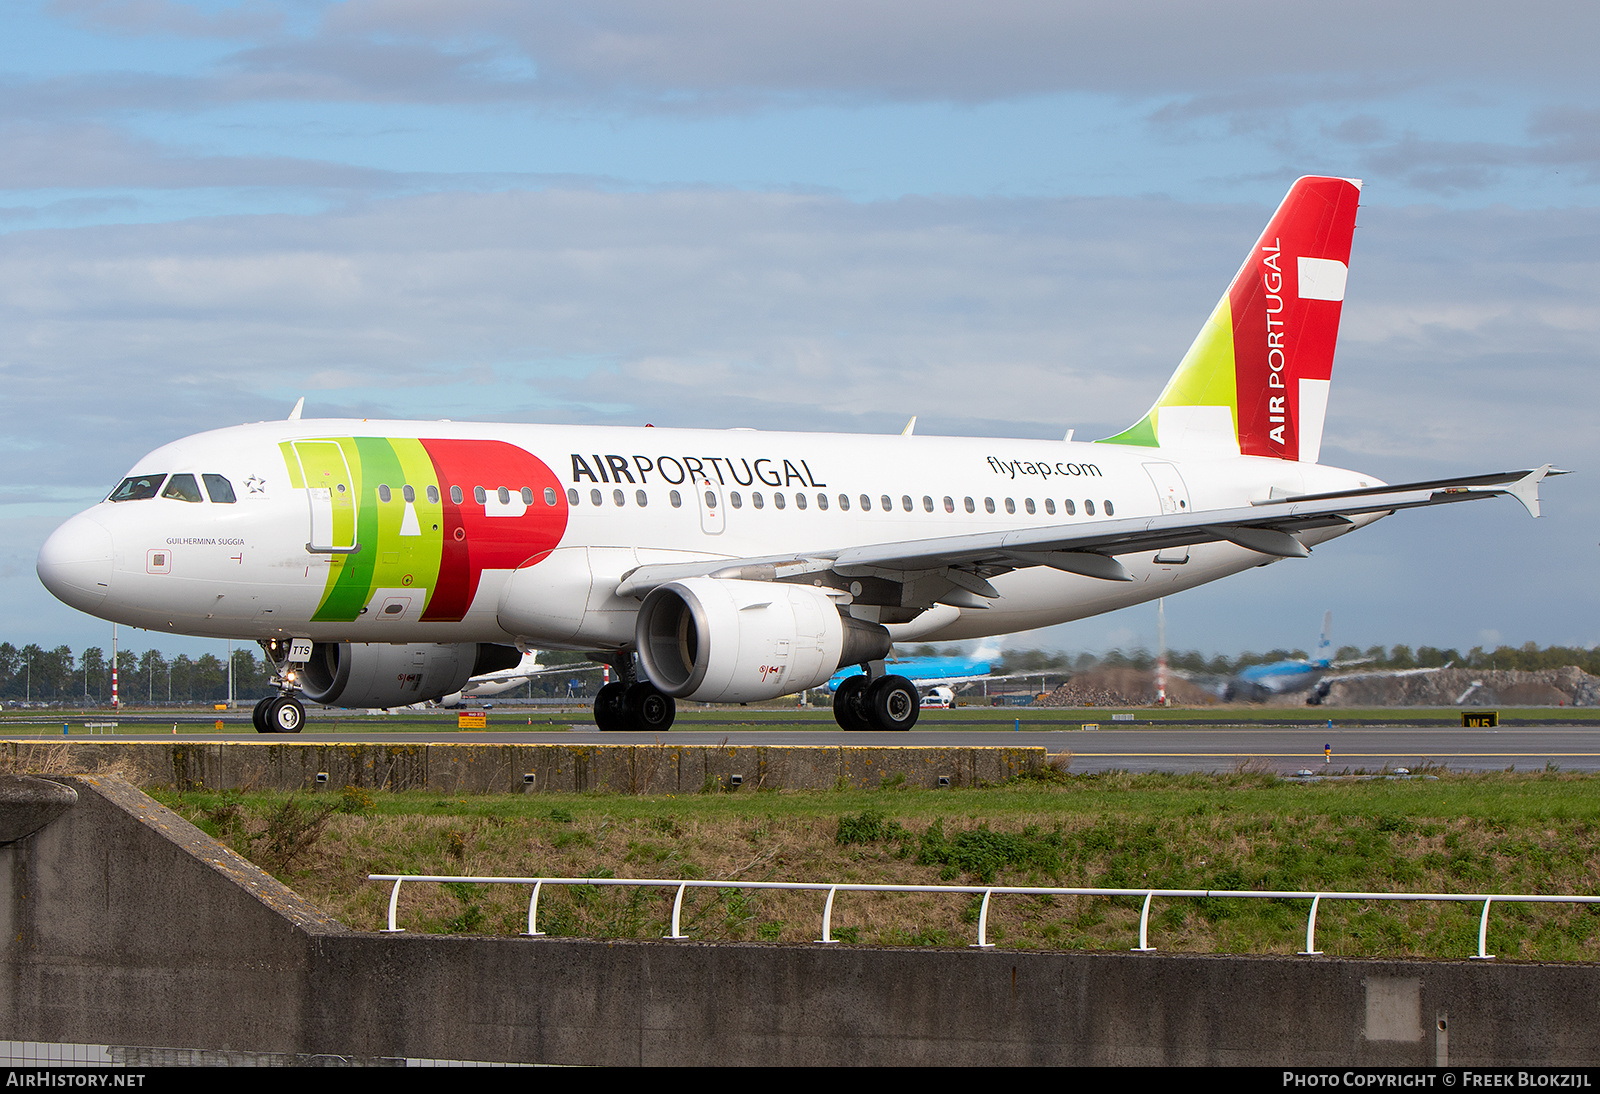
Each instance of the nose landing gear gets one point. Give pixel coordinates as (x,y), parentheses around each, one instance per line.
(279,714)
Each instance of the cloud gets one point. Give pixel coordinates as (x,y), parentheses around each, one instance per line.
(1468,340)
(728,54)
(168,17)
(81,156)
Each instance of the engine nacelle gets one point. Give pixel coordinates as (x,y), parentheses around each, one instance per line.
(373,674)
(732,641)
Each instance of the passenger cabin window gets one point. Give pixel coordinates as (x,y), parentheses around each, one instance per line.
(756,499)
(949,505)
(676,499)
(1028,505)
(822,501)
(844,503)
(1110,512)
(594,498)
(988,505)
(572,497)
(617,499)
(478,495)
(1050,506)
(736,499)
(866,504)
(182,488)
(137,487)
(549,495)
(455,494)
(927,503)
(970,507)
(641,498)
(1088,508)
(409,493)
(503,495)
(527,495)
(887,503)
(433,495)
(219,489)
(384,493)
(777,500)
(1072,510)
(799,501)
(1011,506)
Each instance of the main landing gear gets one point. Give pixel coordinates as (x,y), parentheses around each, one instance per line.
(636,705)
(279,714)
(887,703)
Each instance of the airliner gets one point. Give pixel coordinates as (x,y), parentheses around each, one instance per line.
(385,563)
(500,681)
(926,672)
(1259,683)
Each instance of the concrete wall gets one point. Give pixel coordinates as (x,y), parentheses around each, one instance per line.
(478,768)
(127,926)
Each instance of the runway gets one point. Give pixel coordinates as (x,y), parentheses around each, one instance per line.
(1141,748)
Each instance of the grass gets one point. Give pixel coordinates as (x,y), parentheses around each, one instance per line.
(1526,833)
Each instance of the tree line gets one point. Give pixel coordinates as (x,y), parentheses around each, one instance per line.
(1529,656)
(59,676)
(34,674)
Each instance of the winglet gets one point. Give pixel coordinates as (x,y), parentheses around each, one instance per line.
(911,427)
(1526,489)
(294,415)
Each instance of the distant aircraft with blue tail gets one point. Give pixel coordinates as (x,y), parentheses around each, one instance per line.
(1260,683)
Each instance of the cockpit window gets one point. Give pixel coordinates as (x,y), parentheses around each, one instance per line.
(220,489)
(137,487)
(182,488)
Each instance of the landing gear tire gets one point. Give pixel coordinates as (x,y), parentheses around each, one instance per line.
(608,712)
(893,702)
(285,715)
(849,704)
(259,715)
(645,708)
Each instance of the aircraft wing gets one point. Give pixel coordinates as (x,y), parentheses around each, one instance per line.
(953,569)
(1378,674)
(516,676)
(925,682)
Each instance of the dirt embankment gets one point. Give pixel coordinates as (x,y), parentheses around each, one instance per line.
(1471,687)
(1122,687)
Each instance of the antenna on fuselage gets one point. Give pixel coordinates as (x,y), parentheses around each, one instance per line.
(294,415)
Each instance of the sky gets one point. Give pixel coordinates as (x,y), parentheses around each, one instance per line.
(1008,219)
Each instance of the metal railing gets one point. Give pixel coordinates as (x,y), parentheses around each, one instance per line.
(988,891)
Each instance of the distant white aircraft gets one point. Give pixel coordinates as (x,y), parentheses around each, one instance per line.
(500,681)
(390,562)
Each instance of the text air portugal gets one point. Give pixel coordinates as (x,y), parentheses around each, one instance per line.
(1289,311)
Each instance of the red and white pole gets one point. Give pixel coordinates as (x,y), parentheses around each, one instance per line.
(1161,652)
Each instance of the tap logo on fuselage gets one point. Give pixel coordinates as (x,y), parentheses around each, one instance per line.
(425,515)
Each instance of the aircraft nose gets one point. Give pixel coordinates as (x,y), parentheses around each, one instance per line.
(75,563)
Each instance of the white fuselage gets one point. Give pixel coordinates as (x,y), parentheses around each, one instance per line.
(570,510)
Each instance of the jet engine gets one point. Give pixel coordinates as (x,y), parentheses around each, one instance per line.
(732,641)
(373,674)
